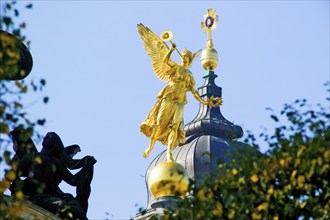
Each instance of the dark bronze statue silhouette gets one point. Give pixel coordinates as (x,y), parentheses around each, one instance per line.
(45,170)
(25,152)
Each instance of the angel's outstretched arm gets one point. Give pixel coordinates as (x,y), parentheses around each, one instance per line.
(212,101)
(167,56)
(198,98)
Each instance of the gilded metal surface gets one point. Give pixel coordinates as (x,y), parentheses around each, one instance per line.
(209,58)
(164,121)
(168,179)
(209,24)
(167,36)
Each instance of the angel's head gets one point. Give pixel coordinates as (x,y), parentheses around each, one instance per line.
(186,57)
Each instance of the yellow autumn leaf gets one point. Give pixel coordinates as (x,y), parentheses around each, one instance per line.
(70,215)
(254,178)
(210,195)
(288,160)
(200,214)
(18,105)
(307,187)
(14,165)
(22,73)
(270,191)
(300,180)
(263,206)
(2,108)
(302,205)
(4,185)
(167,216)
(4,128)
(234,171)
(19,195)
(38,160)
(312,169)
(218,209)
(325,168)
(11,175)
(241,180)
(265,173)
(256,216)
(293,174)
(201,195)
(231,214)
(300,150)
(327,155)
(288,187)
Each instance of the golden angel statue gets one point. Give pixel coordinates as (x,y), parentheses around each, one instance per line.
(164,122)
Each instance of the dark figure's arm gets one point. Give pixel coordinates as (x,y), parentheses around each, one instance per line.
(82,180)
(67,176)
(72,150)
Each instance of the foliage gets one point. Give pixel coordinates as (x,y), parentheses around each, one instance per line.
(289,181)
(12,111)
(12,107)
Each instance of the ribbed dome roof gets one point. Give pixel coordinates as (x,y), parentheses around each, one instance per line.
(209,139)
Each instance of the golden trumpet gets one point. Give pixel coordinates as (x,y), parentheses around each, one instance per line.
(167,36)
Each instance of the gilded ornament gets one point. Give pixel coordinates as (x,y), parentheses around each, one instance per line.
(164,122)
(168,179)
(209,57)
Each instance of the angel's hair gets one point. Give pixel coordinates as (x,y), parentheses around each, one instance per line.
(186,52)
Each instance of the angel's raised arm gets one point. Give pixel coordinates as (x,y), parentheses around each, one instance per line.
(167,56)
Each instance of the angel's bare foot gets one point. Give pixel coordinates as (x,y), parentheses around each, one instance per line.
(146,153)
(149,149)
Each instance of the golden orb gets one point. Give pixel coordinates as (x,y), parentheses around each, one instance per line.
(168,179)
(209,58)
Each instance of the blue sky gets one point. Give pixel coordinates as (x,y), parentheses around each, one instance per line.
(101,84)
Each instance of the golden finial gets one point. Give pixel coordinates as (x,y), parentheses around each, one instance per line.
(168,179)
(209,24)
(209,57)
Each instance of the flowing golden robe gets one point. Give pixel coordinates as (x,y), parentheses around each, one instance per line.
(167,113)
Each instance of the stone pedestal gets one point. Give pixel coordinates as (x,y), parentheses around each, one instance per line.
(33,211)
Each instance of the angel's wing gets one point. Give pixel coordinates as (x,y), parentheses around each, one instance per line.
(156,49)
(196,54)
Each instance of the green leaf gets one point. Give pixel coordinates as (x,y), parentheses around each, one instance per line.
(274,118)
(29,6)
(43,82)
(16,12)
(46,99)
